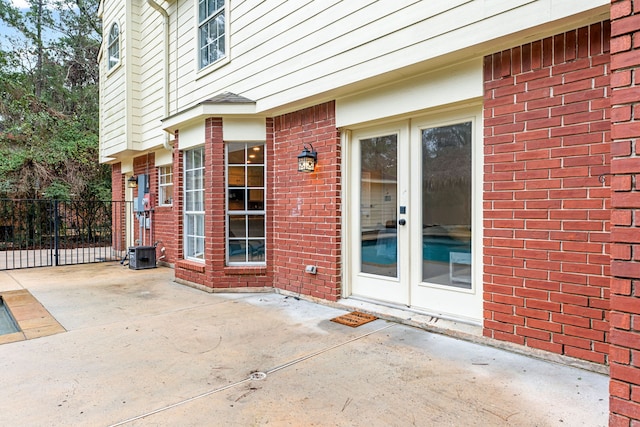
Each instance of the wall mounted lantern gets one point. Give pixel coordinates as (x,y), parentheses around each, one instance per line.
(132,182)
(307,159)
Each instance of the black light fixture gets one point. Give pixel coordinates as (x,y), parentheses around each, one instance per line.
(307,159)
(132,182)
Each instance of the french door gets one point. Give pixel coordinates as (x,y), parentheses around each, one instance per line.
(414,231)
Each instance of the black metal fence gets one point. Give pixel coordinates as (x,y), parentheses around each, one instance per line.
(38,233)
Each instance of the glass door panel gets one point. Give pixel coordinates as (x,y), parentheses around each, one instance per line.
(446,215)
(379,205)
(446,205)
(379,251)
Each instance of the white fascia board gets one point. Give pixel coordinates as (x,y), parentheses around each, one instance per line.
(202,111)
(107,160)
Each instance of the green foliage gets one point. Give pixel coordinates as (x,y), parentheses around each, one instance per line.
(57,190)
(49,102)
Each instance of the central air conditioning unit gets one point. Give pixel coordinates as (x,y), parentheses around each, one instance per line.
(142,257)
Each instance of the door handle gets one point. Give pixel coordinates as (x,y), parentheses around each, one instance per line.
(402,221)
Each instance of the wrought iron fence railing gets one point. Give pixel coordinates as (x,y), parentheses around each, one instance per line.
(37,233)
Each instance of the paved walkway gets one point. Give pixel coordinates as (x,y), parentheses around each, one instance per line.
(142,350)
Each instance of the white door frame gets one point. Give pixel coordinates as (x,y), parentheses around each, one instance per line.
(440,294)
(380,287)
(441,300)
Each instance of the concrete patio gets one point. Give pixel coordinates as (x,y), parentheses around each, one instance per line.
(140,349)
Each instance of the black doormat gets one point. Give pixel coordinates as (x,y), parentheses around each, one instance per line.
(354,319)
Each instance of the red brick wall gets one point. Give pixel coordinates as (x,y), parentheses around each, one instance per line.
(624,355)
(165,229)
(306,208)
(145,165)
(118,211)
(546,252)
(178,201)
(164,232)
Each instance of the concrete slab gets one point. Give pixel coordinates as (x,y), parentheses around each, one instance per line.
(7,282)
(142,350)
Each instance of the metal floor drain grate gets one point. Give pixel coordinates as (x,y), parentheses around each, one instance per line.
(354,319)
(257,376)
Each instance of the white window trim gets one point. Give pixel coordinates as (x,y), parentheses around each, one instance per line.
(162,186)
(247,213)
(223,60)
(110,43)
(195,213)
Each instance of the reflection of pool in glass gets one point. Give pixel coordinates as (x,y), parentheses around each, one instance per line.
(439,248)
(373,254)
(382,251)
(7,324)
(446,259)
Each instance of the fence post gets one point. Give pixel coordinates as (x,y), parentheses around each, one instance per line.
(56,231)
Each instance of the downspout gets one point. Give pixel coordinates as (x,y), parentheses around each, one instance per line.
(165,65)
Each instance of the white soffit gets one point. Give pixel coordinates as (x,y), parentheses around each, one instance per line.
(460,82)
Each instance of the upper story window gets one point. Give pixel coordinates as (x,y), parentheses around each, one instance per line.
(113,46)
(211,31)
(165,185)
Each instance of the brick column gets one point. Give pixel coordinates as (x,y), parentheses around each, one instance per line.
(625,217)
(118,210)
(307,207)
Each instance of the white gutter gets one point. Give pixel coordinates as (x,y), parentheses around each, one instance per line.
(165,65)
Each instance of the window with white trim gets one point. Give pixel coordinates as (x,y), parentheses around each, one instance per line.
(194,204)
(211,31)
(246,225)
(165,185)
(113,46)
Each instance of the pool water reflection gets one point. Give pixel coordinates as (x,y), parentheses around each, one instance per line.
(7,324)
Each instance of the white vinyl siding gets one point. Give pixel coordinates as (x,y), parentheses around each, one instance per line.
(147,72)
(284,51)
(131,95)
(113,118)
